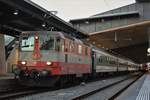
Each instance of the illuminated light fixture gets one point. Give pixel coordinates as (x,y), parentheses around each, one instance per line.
(44,25)
(148,50)
(23,62)
(86,22)
(48,63)
(16,12)
(53,12)
(36,37)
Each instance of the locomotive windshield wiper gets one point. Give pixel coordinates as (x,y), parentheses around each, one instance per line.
(28,45)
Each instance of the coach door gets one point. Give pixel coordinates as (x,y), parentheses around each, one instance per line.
(93,62)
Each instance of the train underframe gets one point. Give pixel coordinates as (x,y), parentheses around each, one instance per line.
(34,79)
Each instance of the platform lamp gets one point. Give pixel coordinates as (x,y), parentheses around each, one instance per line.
(16,12)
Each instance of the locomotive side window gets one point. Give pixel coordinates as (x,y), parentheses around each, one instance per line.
(66,46)
(57,44)
(72,48)
(86,51)
(27,43)
(62,45)
(46,42)
(79,49)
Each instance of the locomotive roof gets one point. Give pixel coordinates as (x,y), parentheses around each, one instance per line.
(43,32)
(54,33)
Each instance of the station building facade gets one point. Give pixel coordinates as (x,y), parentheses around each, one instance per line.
(130,14)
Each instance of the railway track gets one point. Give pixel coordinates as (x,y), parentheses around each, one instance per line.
(10,89)
(27,91)
(87,95)
(10,94)
(123,89)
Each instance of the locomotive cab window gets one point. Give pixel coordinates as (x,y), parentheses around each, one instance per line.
(27,43)
(46,42)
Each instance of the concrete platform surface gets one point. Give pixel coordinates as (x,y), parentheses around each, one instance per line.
(140,90)
(144,93)
(7,76)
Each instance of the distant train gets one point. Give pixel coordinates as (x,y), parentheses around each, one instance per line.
(46,57)
(145,67)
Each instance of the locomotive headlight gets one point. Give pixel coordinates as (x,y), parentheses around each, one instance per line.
(48,63)
(23,62)
(36,37)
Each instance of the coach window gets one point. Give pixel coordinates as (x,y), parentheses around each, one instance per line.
(99,60)
(103,59)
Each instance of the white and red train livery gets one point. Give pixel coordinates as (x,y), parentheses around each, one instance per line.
(49,55)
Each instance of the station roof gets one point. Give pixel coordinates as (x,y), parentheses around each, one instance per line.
(106,16)
(142,0)
(24,15)
(125,35)
(129,40)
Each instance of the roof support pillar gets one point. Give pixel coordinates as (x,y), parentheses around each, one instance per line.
(2,55)
(148,34)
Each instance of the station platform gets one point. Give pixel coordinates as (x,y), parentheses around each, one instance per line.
(140,90)
(7,76)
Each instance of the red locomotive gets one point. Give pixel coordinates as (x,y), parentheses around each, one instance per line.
(46,57)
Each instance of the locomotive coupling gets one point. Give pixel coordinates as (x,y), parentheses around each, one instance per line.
(44,73)
(34,74)
(37,74)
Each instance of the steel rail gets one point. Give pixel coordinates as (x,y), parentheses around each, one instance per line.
(86,95)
